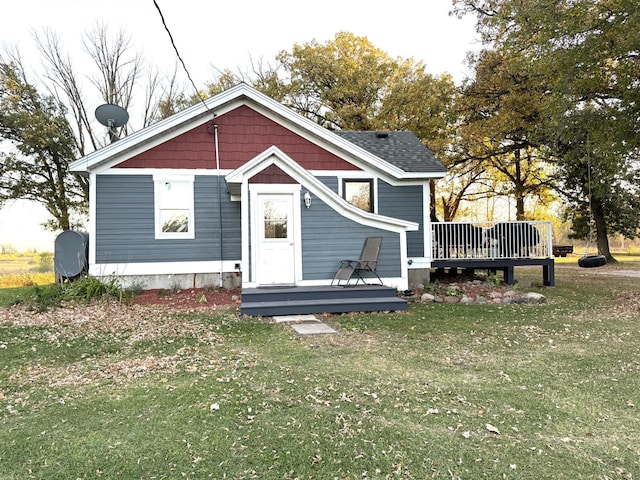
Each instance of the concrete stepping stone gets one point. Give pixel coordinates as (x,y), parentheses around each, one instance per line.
(318,328)
(295,318)
(305,324)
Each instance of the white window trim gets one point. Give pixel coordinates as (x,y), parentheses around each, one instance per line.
(159,234)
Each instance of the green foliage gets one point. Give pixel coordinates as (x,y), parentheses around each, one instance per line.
(347,83)
(500,110)
(584,55)
(44,132)
(41,298)
(136,288)
(329,84)
(45,262)
(604,195)
(494,280)
(455,291)
(89,288)
(41,146)
(45,297)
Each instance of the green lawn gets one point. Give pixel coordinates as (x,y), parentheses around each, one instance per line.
(442,391)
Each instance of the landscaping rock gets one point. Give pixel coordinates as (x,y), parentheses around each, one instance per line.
(427,298)
(478,292)
(535,298)
(466,300)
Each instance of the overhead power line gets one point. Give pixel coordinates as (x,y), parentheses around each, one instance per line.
(175,48)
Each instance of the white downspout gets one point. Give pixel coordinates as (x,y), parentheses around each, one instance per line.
(215,141)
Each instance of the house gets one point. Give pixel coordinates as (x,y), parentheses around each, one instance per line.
(241,190)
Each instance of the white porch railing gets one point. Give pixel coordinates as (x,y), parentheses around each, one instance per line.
(491,240)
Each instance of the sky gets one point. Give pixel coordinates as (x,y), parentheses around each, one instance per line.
(220,35)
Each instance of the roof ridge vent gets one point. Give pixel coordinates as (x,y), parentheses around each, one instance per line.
(382,134)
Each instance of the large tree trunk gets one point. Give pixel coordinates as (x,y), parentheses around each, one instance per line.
(519,187)
(519,208)
(432,203)
(602,239)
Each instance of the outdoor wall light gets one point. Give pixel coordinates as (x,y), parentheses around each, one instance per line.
(307,199)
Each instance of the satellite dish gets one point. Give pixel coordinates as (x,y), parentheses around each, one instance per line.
(112,116)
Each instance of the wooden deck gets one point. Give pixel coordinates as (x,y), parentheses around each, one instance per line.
(491,246)
(506,266)
(270,301)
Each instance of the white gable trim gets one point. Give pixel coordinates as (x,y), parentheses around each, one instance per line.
(237,183)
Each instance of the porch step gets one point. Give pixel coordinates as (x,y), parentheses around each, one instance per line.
(268,302)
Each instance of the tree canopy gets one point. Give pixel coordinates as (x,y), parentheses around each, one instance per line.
(45,125)
(552,106)
(499,111)
(584,54)
(37,167)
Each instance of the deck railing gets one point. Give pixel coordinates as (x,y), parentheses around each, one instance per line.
(491,240)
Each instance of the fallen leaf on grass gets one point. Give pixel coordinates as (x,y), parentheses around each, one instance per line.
(492,429)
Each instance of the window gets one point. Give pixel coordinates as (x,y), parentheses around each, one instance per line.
(275,219)
(359,193)
(174,207)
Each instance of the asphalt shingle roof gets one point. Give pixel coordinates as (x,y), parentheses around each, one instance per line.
(399,148)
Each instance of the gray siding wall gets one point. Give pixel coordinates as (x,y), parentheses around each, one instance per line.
(404,202)
(331,182)
(328,237)
(125,228)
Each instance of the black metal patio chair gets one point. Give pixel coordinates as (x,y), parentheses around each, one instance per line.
(364,267)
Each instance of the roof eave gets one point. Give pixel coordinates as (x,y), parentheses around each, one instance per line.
(422,175)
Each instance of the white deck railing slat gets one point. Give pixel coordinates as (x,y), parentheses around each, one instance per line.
(491,240)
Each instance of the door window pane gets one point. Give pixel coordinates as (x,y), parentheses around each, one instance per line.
(275,219)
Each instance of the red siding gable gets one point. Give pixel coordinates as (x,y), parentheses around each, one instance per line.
(272,174)
(243,133)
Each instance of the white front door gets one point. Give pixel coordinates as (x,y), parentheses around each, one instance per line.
(275,252)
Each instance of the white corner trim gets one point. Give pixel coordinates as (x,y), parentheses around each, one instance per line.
(92,218)
(426,220)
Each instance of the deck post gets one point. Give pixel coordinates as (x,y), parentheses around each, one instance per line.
(548,274)
(509,275)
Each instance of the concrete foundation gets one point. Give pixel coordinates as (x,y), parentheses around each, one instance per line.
(419,276)
(182,281)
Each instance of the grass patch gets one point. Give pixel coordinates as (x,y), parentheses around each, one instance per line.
(440,391)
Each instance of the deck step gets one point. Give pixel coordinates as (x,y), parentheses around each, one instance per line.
(325,305)
(315,293)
